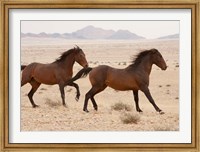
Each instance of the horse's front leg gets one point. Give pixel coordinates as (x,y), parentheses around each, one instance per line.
(77,90)
(136,98)
(148,95)
(62,92)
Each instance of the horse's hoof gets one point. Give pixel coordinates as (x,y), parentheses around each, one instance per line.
(96,108)
(140,111)
(85,110)
(35,106)
(77,98)
(64,105)
(161,113)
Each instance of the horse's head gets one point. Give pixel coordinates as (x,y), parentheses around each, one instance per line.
(158,59)
(80,57)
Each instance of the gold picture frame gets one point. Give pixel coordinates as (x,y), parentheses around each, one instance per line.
(4,79)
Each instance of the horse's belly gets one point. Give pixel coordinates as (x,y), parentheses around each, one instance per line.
(45,80)
(121,85)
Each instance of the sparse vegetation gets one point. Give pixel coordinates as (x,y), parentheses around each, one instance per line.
(168,92)
(53,116)
(168,85)
(165,128)
(69,90)
(130,118)
(121,106)
(124,63)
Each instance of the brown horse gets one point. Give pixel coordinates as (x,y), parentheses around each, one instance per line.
(134,77)
(57,72)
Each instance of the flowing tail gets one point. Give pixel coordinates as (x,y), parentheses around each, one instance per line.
(23,67)
(82,73)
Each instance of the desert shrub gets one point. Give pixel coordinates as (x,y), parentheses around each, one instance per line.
(130,118)
(121,106)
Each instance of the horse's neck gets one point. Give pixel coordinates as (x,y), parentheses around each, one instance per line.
(146,65)
(68,62)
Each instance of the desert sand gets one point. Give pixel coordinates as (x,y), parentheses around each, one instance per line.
(52,116)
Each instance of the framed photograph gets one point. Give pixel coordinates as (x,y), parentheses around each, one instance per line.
(102,75)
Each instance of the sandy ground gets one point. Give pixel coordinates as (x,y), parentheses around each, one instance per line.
(52,116)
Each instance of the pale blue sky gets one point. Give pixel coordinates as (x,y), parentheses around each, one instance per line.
(147,29)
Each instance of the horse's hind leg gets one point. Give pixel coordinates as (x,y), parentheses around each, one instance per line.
(35,85)
(23,83)
(77,90)
(90,95)
(136,98)
(94,103)
(87,97)
(62,92)
(25,79)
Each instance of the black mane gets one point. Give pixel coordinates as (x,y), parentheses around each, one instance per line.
(64,55)
(139,57)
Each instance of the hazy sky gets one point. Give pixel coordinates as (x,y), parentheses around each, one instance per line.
(147,29)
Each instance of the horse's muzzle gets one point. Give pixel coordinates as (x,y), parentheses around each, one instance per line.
(86,66)
(164,68)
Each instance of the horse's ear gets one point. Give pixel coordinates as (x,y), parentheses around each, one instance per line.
(154,50)
(77,47)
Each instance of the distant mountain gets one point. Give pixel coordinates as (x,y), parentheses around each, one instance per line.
(89,32)
(124,34)
(56,35)
(43,34)
(174,36)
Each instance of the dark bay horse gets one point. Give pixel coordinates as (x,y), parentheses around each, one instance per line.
(57,72)
(135,77)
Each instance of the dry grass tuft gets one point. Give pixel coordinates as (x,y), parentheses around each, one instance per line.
(51,103)
(177,98)
(130,118)
(121,106)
